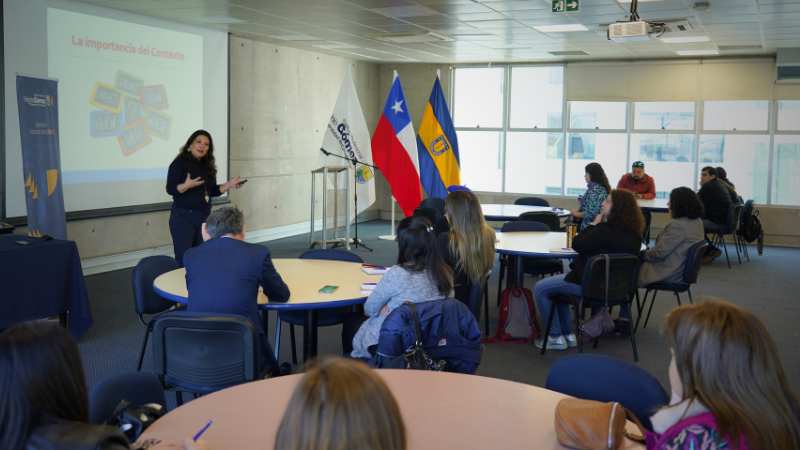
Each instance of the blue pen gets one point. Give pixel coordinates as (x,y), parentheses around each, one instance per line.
(203,430)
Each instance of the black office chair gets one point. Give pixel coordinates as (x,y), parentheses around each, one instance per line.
(147,301)
(623,274)
(747,217)
(735,213)
(532,201)
(612,380)
(136,388)
(473,300)
(326,316)
(691,271)
(429,213)
(435,203)
(533,266)
(548,218)
(204,352)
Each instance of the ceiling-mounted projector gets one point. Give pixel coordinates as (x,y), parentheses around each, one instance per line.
(637,30)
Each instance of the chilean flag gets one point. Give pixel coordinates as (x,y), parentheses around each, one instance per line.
(394,150)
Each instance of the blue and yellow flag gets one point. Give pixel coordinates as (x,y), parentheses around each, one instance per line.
(437,146)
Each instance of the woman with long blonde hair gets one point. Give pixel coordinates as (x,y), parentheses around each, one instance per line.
(729,388)
(341,404)
(469,245)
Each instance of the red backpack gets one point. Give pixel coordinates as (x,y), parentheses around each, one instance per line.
(517,322)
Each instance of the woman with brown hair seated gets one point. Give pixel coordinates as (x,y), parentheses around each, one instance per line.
(729,388)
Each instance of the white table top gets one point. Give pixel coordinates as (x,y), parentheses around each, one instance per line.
(656,205)
(534,244)
(440,411)
(304,277)
(496,211)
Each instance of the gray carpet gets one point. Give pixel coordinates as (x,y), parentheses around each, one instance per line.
(767,286)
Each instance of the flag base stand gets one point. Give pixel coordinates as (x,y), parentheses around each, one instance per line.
(359,243)
(387,237)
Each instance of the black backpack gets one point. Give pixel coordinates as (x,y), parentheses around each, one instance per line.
(752,230)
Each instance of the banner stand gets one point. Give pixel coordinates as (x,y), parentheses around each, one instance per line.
(390,237)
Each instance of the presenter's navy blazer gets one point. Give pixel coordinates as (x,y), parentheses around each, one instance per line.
(223,275)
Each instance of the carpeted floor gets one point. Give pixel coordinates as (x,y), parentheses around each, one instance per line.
(767,286)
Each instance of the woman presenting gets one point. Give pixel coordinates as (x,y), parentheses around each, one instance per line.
(192,181)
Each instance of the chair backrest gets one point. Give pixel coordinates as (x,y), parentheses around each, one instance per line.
(532,201)
(331,255)
(622,277)
(691,269)
(476,294)
(611,380)
(429,213)
(548,218)
(747,214)
(145,273)
(449,331)
(136,388)
(510,227)
(435,203)
(735,217)
(204,352)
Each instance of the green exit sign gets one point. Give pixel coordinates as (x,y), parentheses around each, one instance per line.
(560,6)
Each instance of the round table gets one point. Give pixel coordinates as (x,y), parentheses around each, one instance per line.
(304,277)
(501,213)
(440,410)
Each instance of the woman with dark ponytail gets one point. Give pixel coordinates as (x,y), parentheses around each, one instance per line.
(420,275)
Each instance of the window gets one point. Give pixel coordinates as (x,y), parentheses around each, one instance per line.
(664,116)
(744,157)
(481,160)
(668,158)
(607,149)
(597,115)
(537,97)
(479,98)
(750,115)
(786,170)
(534,163)
(789,115)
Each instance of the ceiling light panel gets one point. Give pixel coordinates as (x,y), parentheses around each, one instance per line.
(697,52)
(684,39)
(560,28)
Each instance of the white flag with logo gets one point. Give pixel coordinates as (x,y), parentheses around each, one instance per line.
(347,135)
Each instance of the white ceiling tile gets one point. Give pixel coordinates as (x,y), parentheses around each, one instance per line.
(518,5)
(554,21)
(780,8)
(780,17)
(469,17)
(731,19)
(459,8)
(781,24)
(599,11)
(726,11)
(379,3)
(648,7)
(495,24)
(732,26)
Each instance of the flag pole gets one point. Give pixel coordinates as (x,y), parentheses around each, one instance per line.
(391,237)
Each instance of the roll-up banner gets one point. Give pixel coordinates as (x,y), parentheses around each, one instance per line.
(41,161)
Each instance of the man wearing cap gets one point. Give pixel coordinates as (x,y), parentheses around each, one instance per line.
(644,187)
(638,182)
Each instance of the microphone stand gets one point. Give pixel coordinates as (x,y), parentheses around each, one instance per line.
(354,162)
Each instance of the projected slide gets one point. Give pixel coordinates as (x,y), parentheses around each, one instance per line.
(129,97)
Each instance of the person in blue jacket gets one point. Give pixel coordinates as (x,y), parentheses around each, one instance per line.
(192,181)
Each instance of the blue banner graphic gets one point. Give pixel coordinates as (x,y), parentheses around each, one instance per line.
(41,161)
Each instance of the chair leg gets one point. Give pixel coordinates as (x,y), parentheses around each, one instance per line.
(633,335)
(652,302)
(179,398)
(277,336)
(689,291)
(722,238)
(677,295)
(294,344)
(744,247)
(144,345)
(640,306)
(736,244)
(547,331)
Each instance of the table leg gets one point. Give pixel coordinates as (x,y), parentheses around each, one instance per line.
(265,321)
(520,269)
(310,335)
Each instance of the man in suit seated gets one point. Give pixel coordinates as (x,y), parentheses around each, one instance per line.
(224,273)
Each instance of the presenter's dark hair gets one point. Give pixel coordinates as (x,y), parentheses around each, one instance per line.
(209,164)
(684,202)
(721,173)
(598,175)
(41,380)
(419,252)
(711,171)
(227,220)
